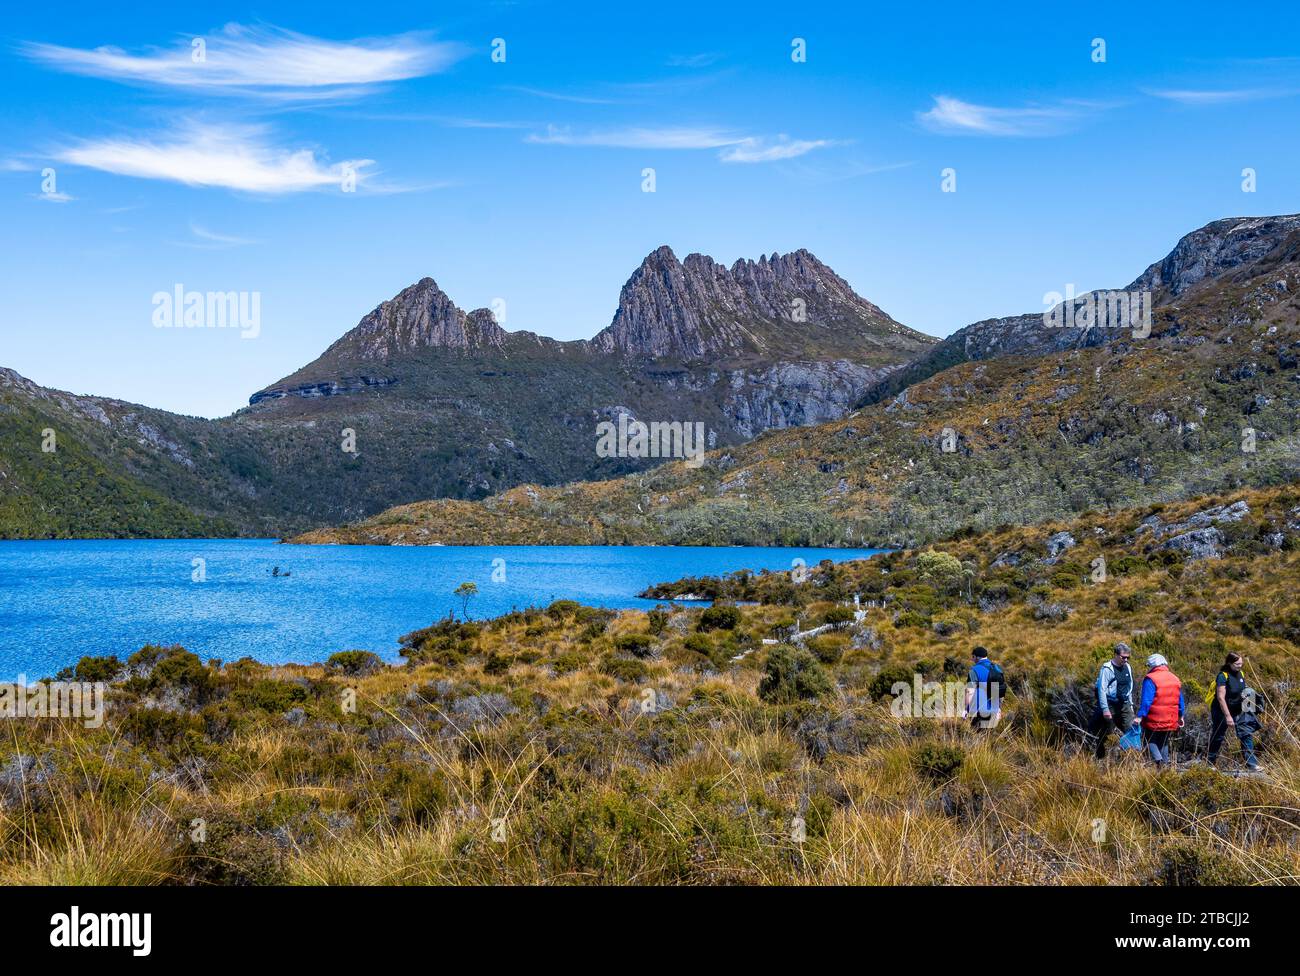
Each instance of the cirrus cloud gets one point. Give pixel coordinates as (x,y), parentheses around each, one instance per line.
(1217,96)
(954,116)
(638,137)
(733,148)
(764,151)
(265,61)
(235,157)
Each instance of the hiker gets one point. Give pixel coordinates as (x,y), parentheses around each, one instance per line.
(985,686)
(1161,709)
(1114,694)
(1226,712)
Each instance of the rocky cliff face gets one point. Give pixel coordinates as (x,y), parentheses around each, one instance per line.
(419,317)
(796,394)
(446,403)
(339,387)
(1215,249)
(697,309)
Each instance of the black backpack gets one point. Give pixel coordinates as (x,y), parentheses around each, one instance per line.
(997,679)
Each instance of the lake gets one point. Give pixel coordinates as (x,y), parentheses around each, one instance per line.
(60,600)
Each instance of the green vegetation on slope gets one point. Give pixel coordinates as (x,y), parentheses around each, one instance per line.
(72,492)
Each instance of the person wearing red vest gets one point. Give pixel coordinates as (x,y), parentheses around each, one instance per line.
(1162,707)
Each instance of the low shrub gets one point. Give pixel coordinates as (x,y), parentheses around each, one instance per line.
(791,675)
(638,645)
(354,663)
(719,618)
(938,763)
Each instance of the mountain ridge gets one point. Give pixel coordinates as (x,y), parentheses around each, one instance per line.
(436,401)
(1045,418)
(684,311)
(1027,423)
(1213,250)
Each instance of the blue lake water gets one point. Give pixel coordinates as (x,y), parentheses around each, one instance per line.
(60,600)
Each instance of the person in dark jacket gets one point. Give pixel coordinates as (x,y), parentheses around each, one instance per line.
(1226,711)
(1113,701)
(1162,708)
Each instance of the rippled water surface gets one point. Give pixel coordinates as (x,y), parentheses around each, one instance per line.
(60,600)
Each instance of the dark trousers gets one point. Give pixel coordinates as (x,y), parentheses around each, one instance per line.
(1121,720)
(1157,743)
(1219,731)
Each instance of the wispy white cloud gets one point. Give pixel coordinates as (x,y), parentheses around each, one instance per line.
(265,61)
(375,188)
(734,148)
(639,137)
(206,240)
(15,166)
(628,92)
(679,84)
(561,96)
(54,197)
(702,60)
(450,121)
(1220,96)
(460,123)
(954,116)
(230,156)
(841,170)
(765,151)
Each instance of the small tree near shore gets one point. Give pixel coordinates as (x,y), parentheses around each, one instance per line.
(465,592)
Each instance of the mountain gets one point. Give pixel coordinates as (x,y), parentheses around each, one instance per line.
(699,309)
(424,400)
(1218,249)
(1008,421)
(779,310)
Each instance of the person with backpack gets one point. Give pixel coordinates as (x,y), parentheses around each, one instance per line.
(1114,698)
(1161,709)
(986,686)
(1227,712)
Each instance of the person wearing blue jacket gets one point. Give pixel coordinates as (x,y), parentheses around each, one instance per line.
(1161,709)
(984,686)
(1113,698)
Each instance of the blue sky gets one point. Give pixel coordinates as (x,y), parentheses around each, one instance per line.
(521,180)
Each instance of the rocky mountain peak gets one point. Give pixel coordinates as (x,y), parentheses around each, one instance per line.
(418,317)
(698,308)
(1213,250)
